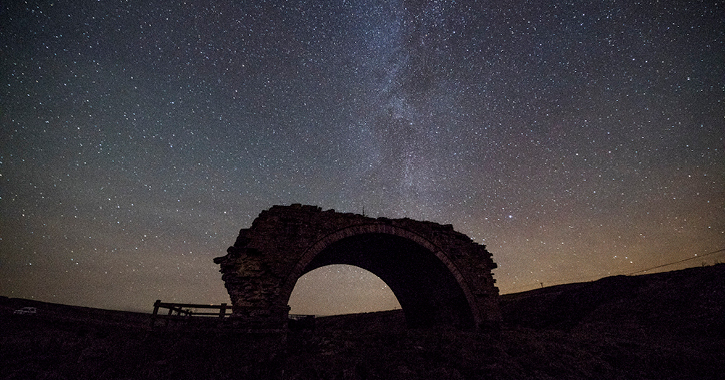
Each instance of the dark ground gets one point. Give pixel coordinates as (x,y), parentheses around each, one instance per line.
(659,326)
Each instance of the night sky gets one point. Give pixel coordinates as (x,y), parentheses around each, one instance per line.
(575,140)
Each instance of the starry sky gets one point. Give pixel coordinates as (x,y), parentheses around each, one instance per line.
(576,140)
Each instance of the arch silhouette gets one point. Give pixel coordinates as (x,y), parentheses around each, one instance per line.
(439,276)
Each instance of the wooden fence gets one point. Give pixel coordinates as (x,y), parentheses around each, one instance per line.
(185,311)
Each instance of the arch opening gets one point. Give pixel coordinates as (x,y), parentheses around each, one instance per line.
(425,288)
(341,289)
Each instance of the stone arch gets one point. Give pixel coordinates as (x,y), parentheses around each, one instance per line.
(440,276)
(383,232)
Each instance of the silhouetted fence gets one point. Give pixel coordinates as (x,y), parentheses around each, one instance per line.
(186,311)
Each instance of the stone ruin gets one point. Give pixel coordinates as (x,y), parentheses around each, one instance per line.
(439,276)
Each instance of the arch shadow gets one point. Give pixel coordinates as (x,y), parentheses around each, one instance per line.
(429,288)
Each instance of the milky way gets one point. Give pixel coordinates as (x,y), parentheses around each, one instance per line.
(576,140)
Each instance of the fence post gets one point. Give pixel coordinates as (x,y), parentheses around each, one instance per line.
(223,310)
(171,310)
(156,312)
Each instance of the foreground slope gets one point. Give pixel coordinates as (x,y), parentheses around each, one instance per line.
(665,325)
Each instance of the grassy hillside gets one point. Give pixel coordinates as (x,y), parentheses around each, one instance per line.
(665,325)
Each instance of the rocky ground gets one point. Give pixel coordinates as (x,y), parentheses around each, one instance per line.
(660,326)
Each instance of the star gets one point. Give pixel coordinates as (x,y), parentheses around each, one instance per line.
(575,142)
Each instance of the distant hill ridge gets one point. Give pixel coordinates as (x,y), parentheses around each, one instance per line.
(687,301)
